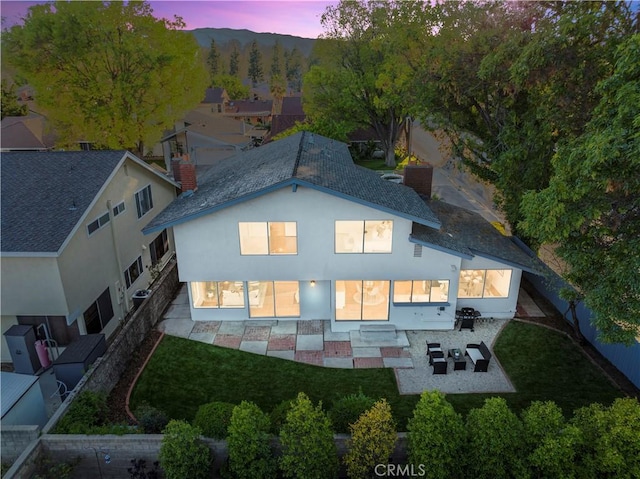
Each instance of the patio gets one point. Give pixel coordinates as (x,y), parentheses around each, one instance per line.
(313,342)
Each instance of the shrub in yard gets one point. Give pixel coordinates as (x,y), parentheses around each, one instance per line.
(278,415)
(151,419)
(611,442)
(182,453)
(214,418)
(89,409)
(435,436)
(250,455)
(495,441)
(551,443)
(346,410)
(373,438)
(306,438)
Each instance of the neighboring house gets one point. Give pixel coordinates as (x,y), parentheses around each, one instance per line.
(294,229)
(214,101)
(205,138)
(254,112)
(286,112)
(72,253)
(26,133)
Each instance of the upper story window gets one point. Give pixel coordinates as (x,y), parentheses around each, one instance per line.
(484,283)
(371,236)
(98,223)
(421,291)
(272,238)
(119,208)
(133,272)
(159,247)
(144,201)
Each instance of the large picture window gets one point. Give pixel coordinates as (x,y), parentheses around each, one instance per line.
(144,201)
(371,236)
(133,272)
(362,300)
(272,238)
(484,283)
(268,299)
(217,294)
(421,291)
(159,247)
(98,315)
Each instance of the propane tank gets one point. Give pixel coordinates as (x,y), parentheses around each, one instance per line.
(43,354)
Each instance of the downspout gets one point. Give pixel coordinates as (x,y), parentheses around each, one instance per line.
(125,300)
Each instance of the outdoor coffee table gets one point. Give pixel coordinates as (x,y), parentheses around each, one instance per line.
(459,362)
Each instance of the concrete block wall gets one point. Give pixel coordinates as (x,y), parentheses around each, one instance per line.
(15,439)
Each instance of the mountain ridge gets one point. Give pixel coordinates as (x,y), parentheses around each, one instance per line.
(224,35)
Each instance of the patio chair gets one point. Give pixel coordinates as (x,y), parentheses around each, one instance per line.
(439,363)
(435,355)
(433,347)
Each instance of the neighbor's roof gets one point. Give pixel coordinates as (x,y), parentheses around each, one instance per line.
(45,195)
(467,234)
(213,95)
(302,159)
(25,133)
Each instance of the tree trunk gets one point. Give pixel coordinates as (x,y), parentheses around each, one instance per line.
(576,322)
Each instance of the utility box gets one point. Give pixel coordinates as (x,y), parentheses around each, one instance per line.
(21,340)
(76,359)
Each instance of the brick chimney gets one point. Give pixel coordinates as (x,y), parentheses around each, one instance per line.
(184,172)
(420,178)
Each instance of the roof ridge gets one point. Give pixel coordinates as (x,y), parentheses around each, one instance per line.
(299,155)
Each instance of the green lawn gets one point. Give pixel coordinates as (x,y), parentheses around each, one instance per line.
(542,364)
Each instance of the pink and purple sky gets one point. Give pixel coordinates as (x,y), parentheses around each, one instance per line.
(293,17)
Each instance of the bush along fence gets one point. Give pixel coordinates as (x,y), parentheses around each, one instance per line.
(492,441)
(106,371)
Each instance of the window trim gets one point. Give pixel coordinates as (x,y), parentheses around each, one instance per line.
(97,221)
(267,225)
(138,202)
(164,236)
(420,303)
(364,239)
(127,274)
(119,209)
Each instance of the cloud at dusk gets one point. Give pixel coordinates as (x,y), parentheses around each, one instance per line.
(293,17)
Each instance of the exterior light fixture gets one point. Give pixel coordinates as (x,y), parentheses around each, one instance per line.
(313,283)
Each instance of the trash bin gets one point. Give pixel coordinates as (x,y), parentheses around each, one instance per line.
(139,297)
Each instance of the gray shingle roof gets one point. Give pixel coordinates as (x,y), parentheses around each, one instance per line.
(304,159)
(469,234)
(44,195)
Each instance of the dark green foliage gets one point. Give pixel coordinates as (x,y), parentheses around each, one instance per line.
(256,73)
(234,61)
(138,470)
(9,104)
(214,418)
(151,419)
(436,436)
(346,410)
(278,415)
(306,438)
(47,468)
(88,410)
(213,59)
(250,455)
(495,442)
(182,453)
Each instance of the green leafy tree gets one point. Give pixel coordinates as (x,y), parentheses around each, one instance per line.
(276,60)
(250,454)
(256,73)
(293,68)
(213,59)
(610,446)
(360,76)
(234,62)
(591,207)
(436,436)
(107,72)
(551,443)
(182,453)
(232,85)
(495,441)
(373,439)
(306,438)
(10,105)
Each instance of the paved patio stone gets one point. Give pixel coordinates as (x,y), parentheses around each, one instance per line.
(341,363)
(315,326)
(395,353)
(288,355)
(337,349)
(256,347)
(203,337)
(397,362)
(256,333)
(331,336)
(232,327)
(179,327)
(178,311)
(364,363)
(309,357)
(206,327)
(285,327)
(309,342)
(227,340)
(366,352)
(282,342)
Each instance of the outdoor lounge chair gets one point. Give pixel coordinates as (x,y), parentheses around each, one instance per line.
(439,362)
(433,348)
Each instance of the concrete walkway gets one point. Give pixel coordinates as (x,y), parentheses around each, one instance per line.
(313,342)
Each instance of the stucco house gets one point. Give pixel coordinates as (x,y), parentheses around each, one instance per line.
(73,253)
(295,230)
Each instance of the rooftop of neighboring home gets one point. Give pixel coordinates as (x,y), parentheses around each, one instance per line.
(45,195)
(26,133)
(249,107)
(223,129)
(214,95)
